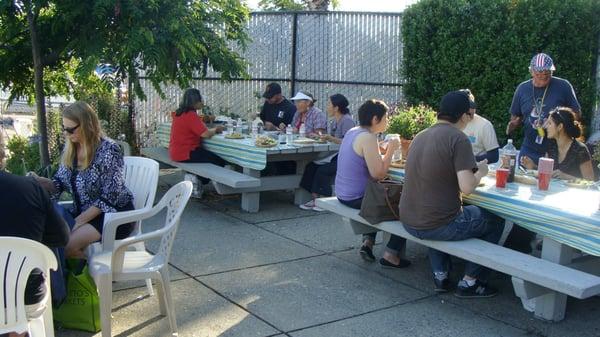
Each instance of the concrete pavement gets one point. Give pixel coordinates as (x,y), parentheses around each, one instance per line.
(289,272)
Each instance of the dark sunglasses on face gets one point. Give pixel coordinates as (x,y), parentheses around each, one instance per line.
(70,130)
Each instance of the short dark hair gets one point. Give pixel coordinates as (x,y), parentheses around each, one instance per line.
(566,117)
(453,105)
(370,109)
(188,102)
(341,102)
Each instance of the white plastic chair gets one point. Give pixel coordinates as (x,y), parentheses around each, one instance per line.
(117,263)
(124,147)
(18,257)
(141,177)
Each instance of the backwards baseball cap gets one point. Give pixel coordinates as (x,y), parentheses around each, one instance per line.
(272,90)
(454,104)
(471,97)
(300,96)
(541,62)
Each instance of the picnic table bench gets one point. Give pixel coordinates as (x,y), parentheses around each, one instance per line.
(532,276)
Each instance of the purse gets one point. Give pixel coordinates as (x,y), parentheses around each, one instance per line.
(381,199)
(81,308)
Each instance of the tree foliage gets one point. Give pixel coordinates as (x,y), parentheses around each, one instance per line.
(297,5)
(487,45)
(165,41)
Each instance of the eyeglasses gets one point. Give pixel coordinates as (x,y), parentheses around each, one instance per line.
(70,130)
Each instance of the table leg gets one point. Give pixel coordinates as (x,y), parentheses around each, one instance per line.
(301,195)
(552,306)
(251,200)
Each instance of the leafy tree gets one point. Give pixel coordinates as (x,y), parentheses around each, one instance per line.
(59,43)
(297,5)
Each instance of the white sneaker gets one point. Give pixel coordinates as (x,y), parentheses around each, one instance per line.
(197,189)
(309,205)
(317,209)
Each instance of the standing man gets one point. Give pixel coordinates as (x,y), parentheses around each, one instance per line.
(532,102)
(481,133)
(277,112)
(439,168)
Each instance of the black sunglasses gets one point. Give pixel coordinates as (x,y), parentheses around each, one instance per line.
(70,130)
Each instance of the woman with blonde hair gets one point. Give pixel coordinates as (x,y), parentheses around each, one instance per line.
(91,170)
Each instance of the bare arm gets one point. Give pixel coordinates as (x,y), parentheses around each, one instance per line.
(211,132)
(468,181)
(87,216)
(586,169)
(378,165)
(331,138)
(47,184)
(515,121)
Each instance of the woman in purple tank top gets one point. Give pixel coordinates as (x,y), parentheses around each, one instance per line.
(359,160)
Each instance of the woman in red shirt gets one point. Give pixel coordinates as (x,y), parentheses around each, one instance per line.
(188,130)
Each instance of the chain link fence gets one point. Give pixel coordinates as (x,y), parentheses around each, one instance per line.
(356,54)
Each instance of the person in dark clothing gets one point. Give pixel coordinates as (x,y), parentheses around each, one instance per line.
(277,112)
(27,212)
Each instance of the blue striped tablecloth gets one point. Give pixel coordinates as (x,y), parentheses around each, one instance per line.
(567,215)
(243,152)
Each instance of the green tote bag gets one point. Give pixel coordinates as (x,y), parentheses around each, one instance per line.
(81,308)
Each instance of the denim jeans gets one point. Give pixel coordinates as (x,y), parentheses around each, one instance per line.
(472,222)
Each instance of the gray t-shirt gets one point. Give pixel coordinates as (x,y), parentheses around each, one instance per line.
(560,93)
(431,195)
(339,128)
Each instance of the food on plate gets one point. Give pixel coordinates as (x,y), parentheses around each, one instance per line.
(304,140)
(264,141)
(398,164)
(235,135)
(527,180)
(579,183)
(531,173)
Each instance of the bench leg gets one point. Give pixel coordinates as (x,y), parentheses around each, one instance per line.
(301,195)
(251,200)
(552,306)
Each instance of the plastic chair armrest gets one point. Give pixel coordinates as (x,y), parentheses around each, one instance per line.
(113,220)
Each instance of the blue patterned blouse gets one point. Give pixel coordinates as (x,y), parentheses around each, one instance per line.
(102,184)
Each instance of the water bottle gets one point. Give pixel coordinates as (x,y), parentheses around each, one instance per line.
(239,126)
(509,159)
(302,131)
(288,134)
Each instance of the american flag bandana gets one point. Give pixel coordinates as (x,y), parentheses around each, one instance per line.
(541,62)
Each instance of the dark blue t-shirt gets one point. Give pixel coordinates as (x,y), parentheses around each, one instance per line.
(560,93)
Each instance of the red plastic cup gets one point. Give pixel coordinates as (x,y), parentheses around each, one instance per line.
(544,181)
(502,177)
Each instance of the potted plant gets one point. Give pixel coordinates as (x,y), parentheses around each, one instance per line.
(408,121)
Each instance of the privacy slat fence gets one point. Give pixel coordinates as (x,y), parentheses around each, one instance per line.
(356,54)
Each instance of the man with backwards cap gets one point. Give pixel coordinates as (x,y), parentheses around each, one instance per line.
(440,167)
(277,112)
(534,99)
(481,133)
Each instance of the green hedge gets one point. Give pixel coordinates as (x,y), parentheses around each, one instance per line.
(487,45)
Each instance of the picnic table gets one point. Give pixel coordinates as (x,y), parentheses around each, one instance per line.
(252,159)
(567,218)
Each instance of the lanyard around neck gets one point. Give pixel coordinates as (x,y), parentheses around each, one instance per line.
(539,110)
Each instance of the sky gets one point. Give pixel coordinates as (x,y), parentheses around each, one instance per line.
(363,5)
